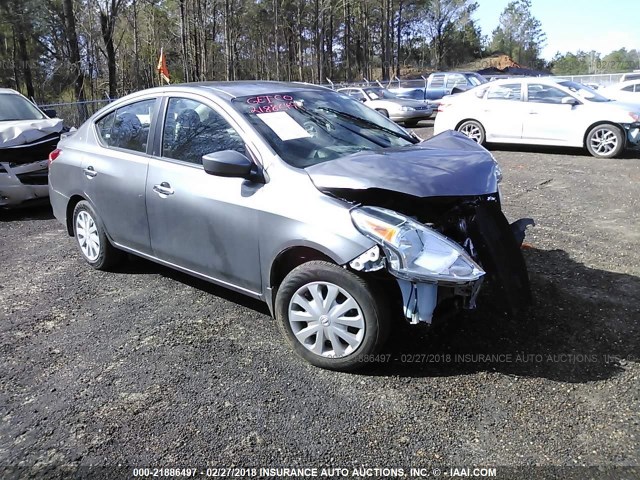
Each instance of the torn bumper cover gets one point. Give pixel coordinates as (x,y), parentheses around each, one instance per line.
(23,183)
(24,149)
(421,259)
(633,135)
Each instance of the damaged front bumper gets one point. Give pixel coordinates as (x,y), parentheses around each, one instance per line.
(21,183)
(633,135)
(420,297)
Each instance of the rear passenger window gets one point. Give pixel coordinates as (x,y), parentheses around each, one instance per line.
(509,91)
(127,127)
(437,81)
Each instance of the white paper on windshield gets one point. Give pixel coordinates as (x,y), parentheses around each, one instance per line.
(283,125)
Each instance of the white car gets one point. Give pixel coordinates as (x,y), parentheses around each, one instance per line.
(542,111)
(628,91)
(402,110)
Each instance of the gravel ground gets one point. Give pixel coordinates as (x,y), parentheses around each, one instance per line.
(149,367)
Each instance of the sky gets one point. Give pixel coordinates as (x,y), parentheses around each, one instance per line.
(573,25)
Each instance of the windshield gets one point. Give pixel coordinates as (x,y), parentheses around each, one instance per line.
(584,92)
(376,93)
(16,107)
(476,79)
(313,126)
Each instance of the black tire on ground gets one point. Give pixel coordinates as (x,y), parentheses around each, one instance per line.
(383,112)
(373,307)
(605,141)
(411,123)
(107,256)
(474,130)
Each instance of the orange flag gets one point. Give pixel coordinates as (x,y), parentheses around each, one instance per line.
(162,67)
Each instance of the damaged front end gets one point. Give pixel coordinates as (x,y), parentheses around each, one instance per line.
(434,212)
(24,153)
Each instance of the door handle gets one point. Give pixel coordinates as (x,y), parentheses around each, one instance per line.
(533,113)
(90,172)
(163,189)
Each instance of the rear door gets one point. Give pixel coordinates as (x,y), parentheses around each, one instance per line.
(115,172)
(502,112)
(204,223)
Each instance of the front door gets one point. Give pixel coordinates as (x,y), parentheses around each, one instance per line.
(201,222)
(548,120)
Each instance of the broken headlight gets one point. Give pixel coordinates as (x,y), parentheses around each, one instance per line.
(415,251)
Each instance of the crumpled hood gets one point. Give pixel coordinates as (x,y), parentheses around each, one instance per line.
(21,132)
(448,164)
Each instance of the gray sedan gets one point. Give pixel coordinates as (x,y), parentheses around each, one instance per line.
(295,195)
(403,110)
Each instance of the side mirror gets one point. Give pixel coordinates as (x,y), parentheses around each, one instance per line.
(51,113)
(569,101)
(227,163)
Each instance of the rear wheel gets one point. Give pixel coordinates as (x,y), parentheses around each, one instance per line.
(605,141)
(330,316)
(91,239)
(474,130)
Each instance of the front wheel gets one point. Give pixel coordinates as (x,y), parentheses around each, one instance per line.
(474,130)
(330,316)
(605,141)
(91,239)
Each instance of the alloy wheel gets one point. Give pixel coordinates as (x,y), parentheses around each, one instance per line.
(472,131)
(604,141)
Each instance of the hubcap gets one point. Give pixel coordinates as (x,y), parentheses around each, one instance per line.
(87,234)
(326,319)
(472,131)
(604,141)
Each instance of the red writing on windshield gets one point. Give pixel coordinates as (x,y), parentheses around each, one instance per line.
(271,103)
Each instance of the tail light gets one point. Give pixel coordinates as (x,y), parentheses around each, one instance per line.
(442,106)
(53,155)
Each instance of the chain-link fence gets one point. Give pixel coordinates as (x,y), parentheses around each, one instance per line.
(603,79)
(75,113)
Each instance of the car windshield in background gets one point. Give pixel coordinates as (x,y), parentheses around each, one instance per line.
(15,107)
(378,93)
(476,80)
(584,92)
(310,127)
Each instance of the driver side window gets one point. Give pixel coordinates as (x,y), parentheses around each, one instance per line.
(193,129)
(538,93)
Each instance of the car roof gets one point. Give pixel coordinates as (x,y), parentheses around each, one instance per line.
(9,90)
(238,88)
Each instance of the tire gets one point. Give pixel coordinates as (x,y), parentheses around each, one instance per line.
(605,141)
(383,112)
(92,242)
(411,123)
(474,130)
(365,325)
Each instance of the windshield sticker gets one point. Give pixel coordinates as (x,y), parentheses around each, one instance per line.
(271,103)
(283,125)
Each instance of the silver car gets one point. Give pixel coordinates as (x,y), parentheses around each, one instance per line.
(403,110)
(295,195)
(27,136)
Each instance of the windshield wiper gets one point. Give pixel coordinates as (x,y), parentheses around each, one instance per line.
(369,123)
